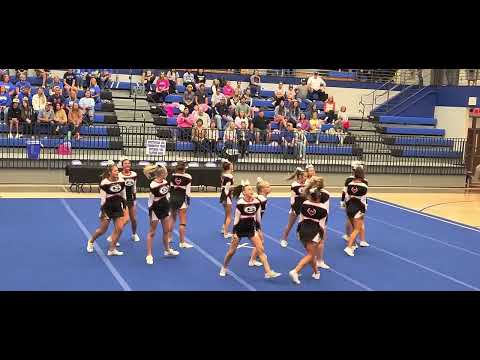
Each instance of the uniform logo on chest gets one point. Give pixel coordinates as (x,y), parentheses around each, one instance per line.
(250,210)
(164,190)
(129,182)
(115,188)
(301,190)
(178,181)
(354,189)
(311,211)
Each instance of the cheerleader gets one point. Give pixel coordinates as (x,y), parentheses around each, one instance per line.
(246,224)
(130,178)
(356,205)
(296,200)
(180,187)
(158,209)
(311,228)
(226,196)
(309,172)
(113,206)
(263,190)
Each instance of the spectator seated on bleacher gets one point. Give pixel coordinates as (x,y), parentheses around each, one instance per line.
(60,119)
(301,92)
(198,137)
(221,114)
(57,97)
(46,117)
(42,74)
(105,78)
(216,88)
(242,119)
(311,108)
(290,94)
(304,122)
(329,109)
(261,127)
(200,78)
(9,87)
(238,89)
(174,80)
(72,98)
(24,94)
(279,95)
(14,116)
(200,114)
(39,100)
(185,123)
(188,79)
(228,90)
(242,106)
(280,115)
(75,119)
(87,105)
(95,90)
(217,95)
(27,118)
(288,140)
(211,138)
(189,98)
(234,101)
(255,86)
(342,123)
(69,80)
(23,84)
(243,138)
(162,88)
(229,137)
(53,83)
(201,97)
(293,114)
(316,88)
(5,101)
(19,72)
(148,80)
(316,123)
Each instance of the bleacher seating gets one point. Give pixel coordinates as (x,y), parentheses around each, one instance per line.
(411,131)
(95,143)
(407,120)
(427,153)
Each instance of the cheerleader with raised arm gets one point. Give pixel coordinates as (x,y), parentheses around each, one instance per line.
(296,200)
(158,209)
(226,196)
(263,190)
(247,222)
(130,178)
(113,206)
(356,205)
(180,192)
(311,227)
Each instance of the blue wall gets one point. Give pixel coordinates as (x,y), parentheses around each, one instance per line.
(457,96)
(425,107)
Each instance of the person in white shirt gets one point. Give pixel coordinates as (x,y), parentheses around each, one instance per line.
(39,101)
(316,88)
(87,105)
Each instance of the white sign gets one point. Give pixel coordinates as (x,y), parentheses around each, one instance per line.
(156,147)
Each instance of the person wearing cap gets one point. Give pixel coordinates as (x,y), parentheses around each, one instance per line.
(87,105)
(23,84)
(316,87)
(255,86)
(14,116)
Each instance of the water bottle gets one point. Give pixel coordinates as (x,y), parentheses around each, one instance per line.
(69,135)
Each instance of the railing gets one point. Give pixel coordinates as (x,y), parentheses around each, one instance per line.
(260,151)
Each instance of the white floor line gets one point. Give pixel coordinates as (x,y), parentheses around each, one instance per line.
(98,249)
(346,277)
(340,233)
(426,215)
(209,257)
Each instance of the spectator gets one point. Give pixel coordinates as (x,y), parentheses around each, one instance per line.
(217,95)
(329,109)
(27,117)
(55,83)
(69,80)
(43,74)
(20,72)
(201,97)
(87,106)
(200,77)
(229,136)
(173,78)
(189,98)
(148,80)
(46,117)
(185,122)
(288,140)
(22,84)
(57,97)
(60,119)
(240,119)
(211,138)
(280,115)
(228,91)
(188,79)
(198,137)
(243,140)
(315,123)
(300,141)
(216,86)
(161,89)
(75,120)
(202,115)
(316,87)
(24,94)
(95,90)
(303,122)
(238,90)
(234,101)
(312,108)
(291,95)
(302,91)
(105,77)
(342,122)
(72,99)
(222,116)
(243,107)
(39,101)
(14,116)
(9,87)
(261,128)
(293,114)
(279,94)
(255,86)
(5,101)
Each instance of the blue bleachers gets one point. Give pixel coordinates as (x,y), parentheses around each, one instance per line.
(267,93)
(84,130)
(262,103)
(54,143)
(431,153)
(408,120)
(423,141)
(174,98)
(413,131)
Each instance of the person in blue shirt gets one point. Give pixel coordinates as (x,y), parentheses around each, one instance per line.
(9,87)
(55,81)
(5,102)
(25,93)
(23,83)
(94,90)
(288,139)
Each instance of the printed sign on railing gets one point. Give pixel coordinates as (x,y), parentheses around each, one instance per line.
(156,147)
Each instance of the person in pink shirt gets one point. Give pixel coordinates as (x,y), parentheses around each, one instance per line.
(185,123)
(303,122)
(161,89)
(228,90)
(329,109)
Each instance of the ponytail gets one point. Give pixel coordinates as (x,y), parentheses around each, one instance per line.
(153,171)
(298,171)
